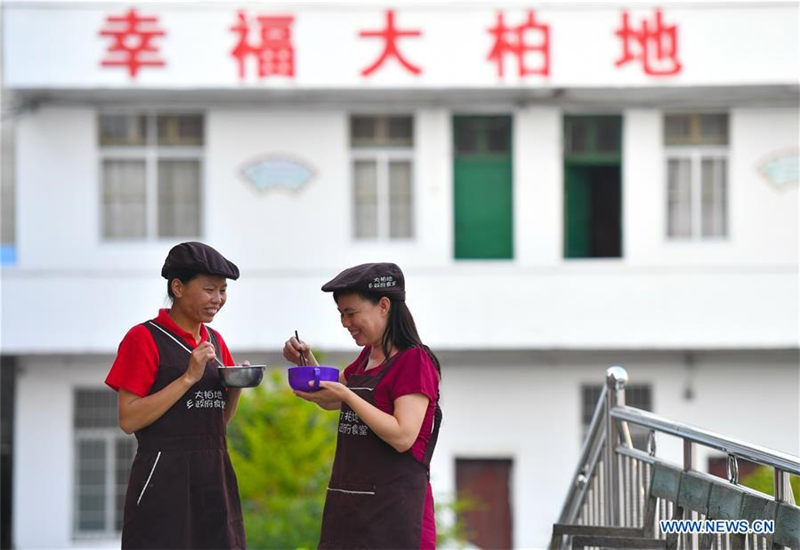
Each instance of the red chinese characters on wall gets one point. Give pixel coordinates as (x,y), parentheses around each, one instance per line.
(519,41)
(390,34)
(654,44)
(132,46)
(272,49)
(266,42)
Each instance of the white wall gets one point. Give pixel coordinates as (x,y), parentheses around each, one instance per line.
(741,292)
(538,188)
(529,410)
(757,44)
(44,458)
(763,218)
(520,405)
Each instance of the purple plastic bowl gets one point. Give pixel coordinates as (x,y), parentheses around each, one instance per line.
(299,377)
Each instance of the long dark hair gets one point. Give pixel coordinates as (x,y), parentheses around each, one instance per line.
(401,331)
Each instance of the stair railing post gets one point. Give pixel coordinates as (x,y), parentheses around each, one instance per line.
(689,455)
(781,479)
(616,378)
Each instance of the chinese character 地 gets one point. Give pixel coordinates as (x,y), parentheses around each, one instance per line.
(654,44)
(132,45)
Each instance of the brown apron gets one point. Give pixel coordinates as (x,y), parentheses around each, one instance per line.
(376,496)
(182,491)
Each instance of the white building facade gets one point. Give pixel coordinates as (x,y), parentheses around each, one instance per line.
(566,187)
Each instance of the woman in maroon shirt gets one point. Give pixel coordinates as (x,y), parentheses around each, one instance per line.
(379,495)
(182,491)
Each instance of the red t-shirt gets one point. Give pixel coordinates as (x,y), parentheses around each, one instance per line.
(137,360)
(413,372)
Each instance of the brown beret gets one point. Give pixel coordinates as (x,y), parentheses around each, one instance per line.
(385,279)
(194,257)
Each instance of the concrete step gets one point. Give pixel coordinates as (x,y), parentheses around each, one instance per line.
(604,537)
(601,530)
(598,541)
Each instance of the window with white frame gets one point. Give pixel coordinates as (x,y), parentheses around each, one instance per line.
(697,175)
(151,175)
(639,396)
(103,457)
(382,153)
(7,192)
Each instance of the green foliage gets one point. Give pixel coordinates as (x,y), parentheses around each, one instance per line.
(452,534)
(282,450)
(762,479)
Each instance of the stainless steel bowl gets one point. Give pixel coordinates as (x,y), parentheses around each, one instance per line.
(241,376)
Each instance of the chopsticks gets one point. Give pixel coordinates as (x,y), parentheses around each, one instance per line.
(181,344)
(302,357)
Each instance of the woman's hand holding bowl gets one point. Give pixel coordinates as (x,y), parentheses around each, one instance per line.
(330,393)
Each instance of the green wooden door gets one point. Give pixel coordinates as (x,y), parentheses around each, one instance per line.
(592,186)
(482,187)
(577,215)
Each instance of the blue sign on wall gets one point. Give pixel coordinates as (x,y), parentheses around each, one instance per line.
(276,172)
(8,254)
(782,170)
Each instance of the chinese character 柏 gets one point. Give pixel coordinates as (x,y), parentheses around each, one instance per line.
(512,40)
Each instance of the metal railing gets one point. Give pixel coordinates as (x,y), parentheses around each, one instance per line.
(611,483)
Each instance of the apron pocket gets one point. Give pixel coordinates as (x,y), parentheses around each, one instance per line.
(149,477)
(364,489)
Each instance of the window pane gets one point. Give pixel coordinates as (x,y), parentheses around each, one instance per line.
(714,129)
(90,480)
(400,205)
(376,131)
(677,129)
(577,131)
(714,197)
(95,409)
(401,129)
(608,135)
(124,206)
(179,198)
(466,135)
(638,396)
(186,130)
(365,196)
(125,449)
(7,184)
(362,130)
(122,130)
(499,135)
(679,198)
(696,129)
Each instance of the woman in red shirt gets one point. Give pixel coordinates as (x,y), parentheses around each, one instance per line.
(182,491)
(379,495)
